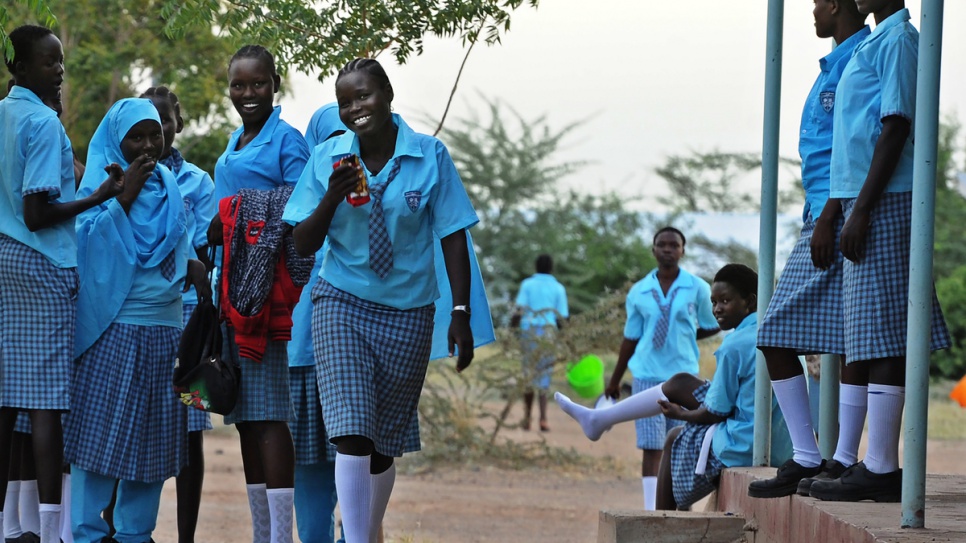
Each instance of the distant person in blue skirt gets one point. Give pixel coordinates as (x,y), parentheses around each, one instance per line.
(126,427)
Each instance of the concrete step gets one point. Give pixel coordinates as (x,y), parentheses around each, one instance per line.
(798,519)
(625,526)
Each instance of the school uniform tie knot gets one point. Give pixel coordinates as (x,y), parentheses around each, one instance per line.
(664,322)
(380,246)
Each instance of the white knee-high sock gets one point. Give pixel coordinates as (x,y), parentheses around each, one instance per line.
(382,484)
(354,487)
(66,535)
(885,418)
(49,514)
(261,517)
(11,508)
(29,507)
(650,492)
(853,405)
(595,422)
(792,395)
(281,505)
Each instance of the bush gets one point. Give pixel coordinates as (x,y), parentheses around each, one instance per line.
(951,291)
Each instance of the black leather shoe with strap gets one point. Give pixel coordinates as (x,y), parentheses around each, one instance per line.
(833,470)
(857,483)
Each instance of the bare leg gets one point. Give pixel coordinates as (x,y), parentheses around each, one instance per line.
(665,490)
(188,485)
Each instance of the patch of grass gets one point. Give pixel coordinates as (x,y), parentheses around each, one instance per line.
(946,420)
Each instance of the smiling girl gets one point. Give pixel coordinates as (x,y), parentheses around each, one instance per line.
(718,414)
(264,153)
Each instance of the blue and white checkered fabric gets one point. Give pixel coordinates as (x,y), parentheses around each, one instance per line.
(308,431)
(126,421)
(685,452)
(264,392)
(876,289)
(38,313)
(651,431)
(538,359)
(371,362)
(805,313)
(198,420)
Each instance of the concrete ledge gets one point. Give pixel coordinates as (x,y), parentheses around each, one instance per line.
(798,519)
(620,526)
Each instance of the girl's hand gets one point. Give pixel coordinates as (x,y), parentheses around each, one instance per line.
(854,232)
(198,277)
(460,335)
(113,185)
(671,410)
(342,181)
(823,245)
(215,234)
(136,174)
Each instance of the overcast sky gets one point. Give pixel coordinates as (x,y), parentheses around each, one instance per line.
(652,79)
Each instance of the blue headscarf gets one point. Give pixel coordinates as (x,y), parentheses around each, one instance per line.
(157,215)
(325,122)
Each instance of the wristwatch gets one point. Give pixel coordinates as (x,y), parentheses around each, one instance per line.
(463,308)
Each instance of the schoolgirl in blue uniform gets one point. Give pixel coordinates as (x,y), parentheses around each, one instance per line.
(373,315)
(264,153)
(197,192)
(805,314)
(126,427)
(38,261)
(718,414)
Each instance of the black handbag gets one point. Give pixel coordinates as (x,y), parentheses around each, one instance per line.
(202,378)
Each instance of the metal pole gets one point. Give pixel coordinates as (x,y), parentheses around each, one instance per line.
(769,219)
(920,264)
(828,407)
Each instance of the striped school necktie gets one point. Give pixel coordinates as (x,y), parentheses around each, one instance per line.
(380,246)
(664,323)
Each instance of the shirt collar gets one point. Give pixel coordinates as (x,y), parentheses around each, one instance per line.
(684,279)
(406,142)
(844,48)
(750,320)
(23,93)
(891,21)
(265,134)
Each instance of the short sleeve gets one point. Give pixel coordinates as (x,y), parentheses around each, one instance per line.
(706,320)
(293,157)
(722,395)
(562,306)
(522,297)
(897,65)
(204,210)
(308,192)
(634,327)
(42,163)
(452,209)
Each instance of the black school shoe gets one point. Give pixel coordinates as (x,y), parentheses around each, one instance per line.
(833,470)
(785,483)
(857,483)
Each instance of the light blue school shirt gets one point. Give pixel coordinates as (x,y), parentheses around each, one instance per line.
(815,139)
(732,395)
(197,191)
(542,298)
(690,310)
(275,157)
(36,157)
(301,352)
(879,81)
(426,197)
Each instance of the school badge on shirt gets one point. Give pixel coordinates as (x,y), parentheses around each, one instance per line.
(413,198)
(827,98)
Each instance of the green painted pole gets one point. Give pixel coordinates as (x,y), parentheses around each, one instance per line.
(920,265)
(769,219)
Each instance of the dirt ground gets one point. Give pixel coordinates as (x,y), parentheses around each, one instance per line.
(472,505)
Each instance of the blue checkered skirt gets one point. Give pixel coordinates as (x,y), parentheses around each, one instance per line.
(538,357)
(308,431)
(876,289)
(38,312)
(126,421)
(264,393)
(687,486)
(371,362)
(198,420)
(652,431)
(805,313)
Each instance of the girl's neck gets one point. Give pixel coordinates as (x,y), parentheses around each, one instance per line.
(379,148)
(669,272)
(888,11)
